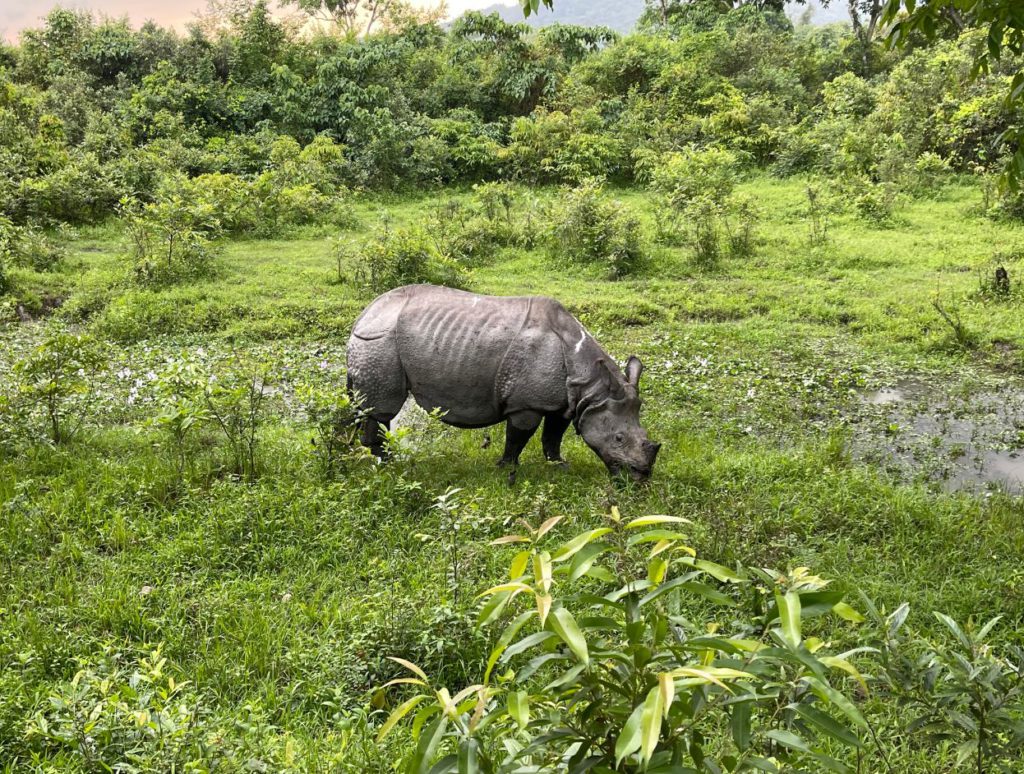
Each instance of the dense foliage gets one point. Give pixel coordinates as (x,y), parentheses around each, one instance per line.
(93,111)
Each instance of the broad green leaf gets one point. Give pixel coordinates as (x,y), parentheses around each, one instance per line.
(506,637)
(954,627)
(827,724)
(789,617)
(847,613)
(509,539)
(493,608)
(579,542)
(667,686)
(518,567)
(788,739)
(516,587)
(656,570)
(542,570)
(585,558)
(543,607)
(650,723)
(565,626)
(526,643)
(681,583)
(715,570)
(829,694)
(404,681)
(469,756)
(655,536)
(629,738)
(426,749)
(836,662)
(519,708)
(399,712)
(739,725)
(648,521)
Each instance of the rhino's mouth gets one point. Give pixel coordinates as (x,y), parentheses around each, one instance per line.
(637,473)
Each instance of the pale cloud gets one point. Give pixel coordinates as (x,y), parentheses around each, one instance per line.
(16,15)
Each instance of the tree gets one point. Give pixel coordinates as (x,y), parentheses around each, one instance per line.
(353,17)
(866,15)
(1003,20)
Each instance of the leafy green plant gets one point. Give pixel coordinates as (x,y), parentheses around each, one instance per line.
(959,689)
(120,712)
(334,417)
(396,257)
(180,407)
(594,229)
(686,665)
(169,240)
(236,400)
(50,394)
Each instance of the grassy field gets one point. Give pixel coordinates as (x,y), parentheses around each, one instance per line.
(276,602)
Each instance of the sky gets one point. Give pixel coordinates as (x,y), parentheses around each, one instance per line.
(16,15)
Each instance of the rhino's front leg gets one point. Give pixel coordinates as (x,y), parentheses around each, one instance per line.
(372,435)
(519,429)
(555,425)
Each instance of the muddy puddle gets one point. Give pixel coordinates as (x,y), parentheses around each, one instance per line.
(961,435)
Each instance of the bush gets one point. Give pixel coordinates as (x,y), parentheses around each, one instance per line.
(334,417)
(29,247)
(396,257)
(169,240)
(633,671)
(50,395)
(594,229)
(931,172)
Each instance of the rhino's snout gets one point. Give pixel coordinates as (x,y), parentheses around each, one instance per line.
(638,472)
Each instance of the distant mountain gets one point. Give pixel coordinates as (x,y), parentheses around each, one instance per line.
(620,15)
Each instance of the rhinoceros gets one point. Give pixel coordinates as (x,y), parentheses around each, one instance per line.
(483,359)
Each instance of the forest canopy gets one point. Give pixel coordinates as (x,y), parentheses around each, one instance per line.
(93,111)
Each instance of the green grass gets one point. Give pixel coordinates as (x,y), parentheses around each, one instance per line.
(279,601)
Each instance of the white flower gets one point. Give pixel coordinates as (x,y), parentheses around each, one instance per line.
(151,375)
(124,373)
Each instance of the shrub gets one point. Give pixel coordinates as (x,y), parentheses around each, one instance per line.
(875,202)
(594,229)
(931,172)
(958,690)
(396,257)
(334,417)
(28,246)
(180,408)
(632,670)
(684,176)
(50,394)
(169,240)
(236,400)
(121,710)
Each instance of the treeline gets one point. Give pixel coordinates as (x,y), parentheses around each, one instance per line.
(95,115)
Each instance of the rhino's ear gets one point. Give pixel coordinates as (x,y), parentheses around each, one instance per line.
(606,377)
(633,370)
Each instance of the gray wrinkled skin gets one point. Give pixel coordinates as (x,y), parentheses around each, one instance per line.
(487,359)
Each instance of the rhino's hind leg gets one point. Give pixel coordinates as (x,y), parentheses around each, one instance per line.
(519,429)
(555,425)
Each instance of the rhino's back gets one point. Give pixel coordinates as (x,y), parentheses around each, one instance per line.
(451,345)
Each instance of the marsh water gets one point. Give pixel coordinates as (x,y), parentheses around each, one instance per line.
(961,435)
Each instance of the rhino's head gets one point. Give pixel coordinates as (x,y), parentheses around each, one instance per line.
(608,418)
